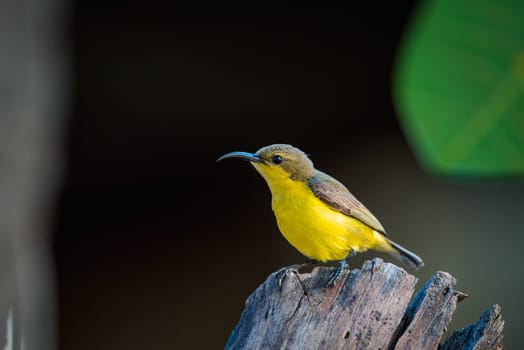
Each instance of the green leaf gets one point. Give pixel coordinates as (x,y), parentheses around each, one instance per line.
(459,86)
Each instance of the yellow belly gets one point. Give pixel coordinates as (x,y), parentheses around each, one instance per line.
(316,230)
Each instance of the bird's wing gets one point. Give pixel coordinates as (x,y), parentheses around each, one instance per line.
(338,197)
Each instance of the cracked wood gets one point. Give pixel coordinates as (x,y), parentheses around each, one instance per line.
(369,308)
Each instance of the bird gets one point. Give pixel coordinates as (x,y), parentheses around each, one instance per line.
(316,213)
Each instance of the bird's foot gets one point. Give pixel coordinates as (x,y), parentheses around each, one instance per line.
(295,269)
(337,274)
(342,265)
(283,274)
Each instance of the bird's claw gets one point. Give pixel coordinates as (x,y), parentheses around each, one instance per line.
(284,272)
(333,279)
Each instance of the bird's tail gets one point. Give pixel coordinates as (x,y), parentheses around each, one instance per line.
(409,258)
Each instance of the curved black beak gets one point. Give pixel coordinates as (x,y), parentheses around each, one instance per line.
(250,157)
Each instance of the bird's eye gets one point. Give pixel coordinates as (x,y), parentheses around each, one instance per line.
(276,159)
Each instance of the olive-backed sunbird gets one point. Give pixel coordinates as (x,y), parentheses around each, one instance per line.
(316,213)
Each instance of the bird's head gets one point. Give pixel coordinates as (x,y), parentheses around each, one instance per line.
(278,162)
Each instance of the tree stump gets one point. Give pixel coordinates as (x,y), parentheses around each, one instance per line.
(370,308)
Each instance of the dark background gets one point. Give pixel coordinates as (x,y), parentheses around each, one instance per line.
(157,246)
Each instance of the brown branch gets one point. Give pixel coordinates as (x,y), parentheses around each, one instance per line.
(371,308)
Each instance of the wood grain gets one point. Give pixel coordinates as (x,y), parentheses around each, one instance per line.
(370,308)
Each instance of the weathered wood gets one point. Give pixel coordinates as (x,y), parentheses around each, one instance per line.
(483,335)
(429,313)
(369,308)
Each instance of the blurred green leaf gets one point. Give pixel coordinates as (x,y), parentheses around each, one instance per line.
(459,86)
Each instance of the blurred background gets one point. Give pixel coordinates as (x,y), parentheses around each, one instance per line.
(157,246)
